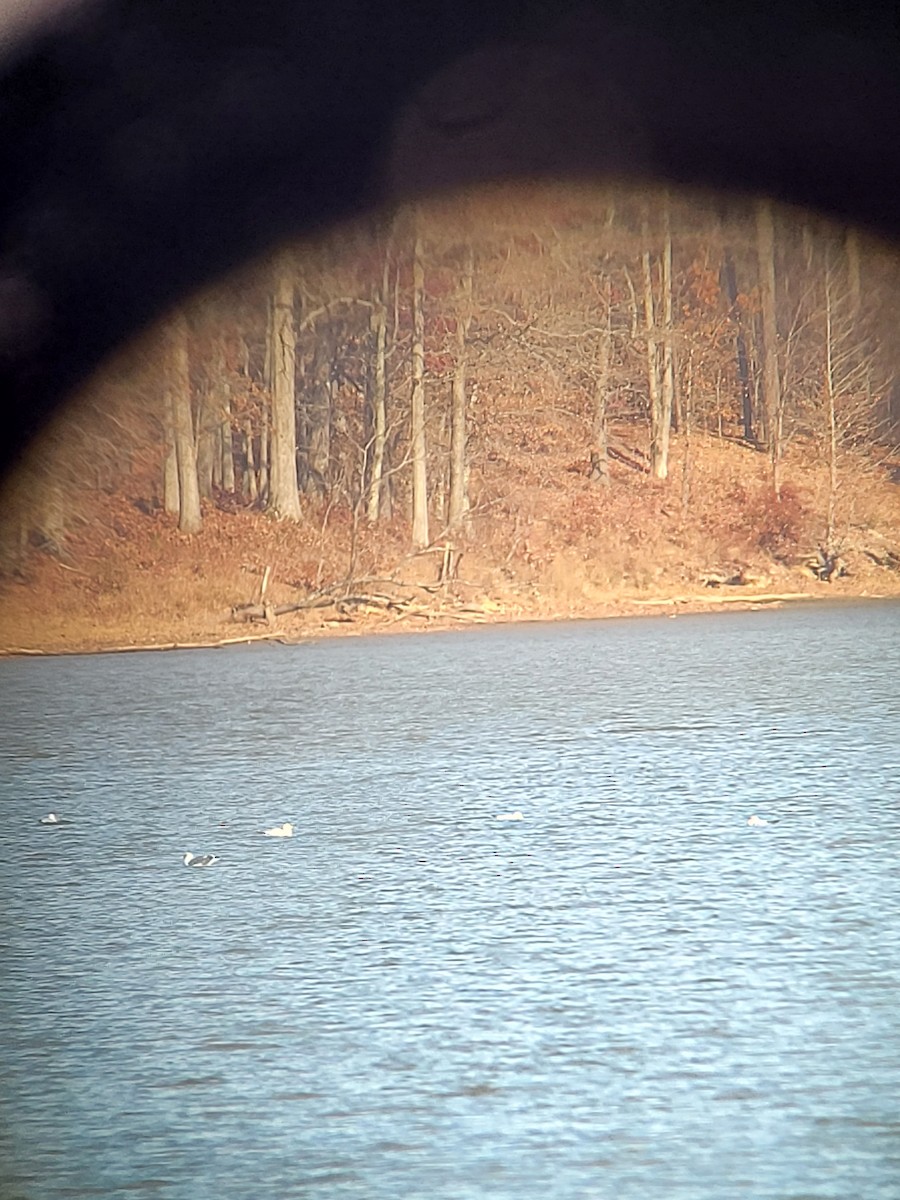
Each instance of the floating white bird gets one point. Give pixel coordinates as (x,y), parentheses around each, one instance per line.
(757,821)
(200,860)
(52,819)
(513,816)
(285,830)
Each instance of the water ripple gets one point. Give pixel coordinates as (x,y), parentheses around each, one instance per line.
(627,992)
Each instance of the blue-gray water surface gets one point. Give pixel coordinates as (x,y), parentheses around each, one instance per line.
(630,992)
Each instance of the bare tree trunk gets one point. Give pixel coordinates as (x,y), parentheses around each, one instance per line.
(831,416)
(263,467)
(388,498)
(284,495)
(668,351)
(417,401)
(318,419)
(740,345)
(633,306)
(217,456)
(227,447)
(189,518)
(658,448)
(459,498)
(440,472)
(224,467)
(379,395)
(765,245)
(758,404)
(170,465)
(687,462)
(207,427)
(251,480)
(599,432)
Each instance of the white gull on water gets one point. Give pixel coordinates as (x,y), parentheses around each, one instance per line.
(285,830)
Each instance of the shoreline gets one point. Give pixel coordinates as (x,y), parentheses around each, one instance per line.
(367,625)
(129,581)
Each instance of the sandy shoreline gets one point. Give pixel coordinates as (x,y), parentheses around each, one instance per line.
(369,625)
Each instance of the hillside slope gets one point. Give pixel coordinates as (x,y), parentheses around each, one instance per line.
(545,542)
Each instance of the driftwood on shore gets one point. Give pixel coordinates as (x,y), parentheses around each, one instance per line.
(209,644)
(728,598)
(348,604)
(368,597)
(739,578)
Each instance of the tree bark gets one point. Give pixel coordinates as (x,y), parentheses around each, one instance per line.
(459,496)
(830,389)
(668,350)
(378,398)
(251,479)
(189,518)
(262,473)
(224,443)
(207,429)
(599,472)
(687,430)
(227,447)
(658,437)
(417,400)
(170,463)
(765,245)
(318,418)
(284,496)
(729,274)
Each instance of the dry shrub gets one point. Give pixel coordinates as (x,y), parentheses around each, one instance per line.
(776,525)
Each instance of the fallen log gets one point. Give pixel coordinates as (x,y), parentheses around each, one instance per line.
(740,578)
(889,560)
(629,456)
(265,612)
(727,598)
(213,644)
(373,600)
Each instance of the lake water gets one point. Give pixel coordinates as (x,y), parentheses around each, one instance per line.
(629,993)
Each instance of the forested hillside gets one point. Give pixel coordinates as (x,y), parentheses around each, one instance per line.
(522,401)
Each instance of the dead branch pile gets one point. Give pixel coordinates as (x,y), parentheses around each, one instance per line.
(362,598)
